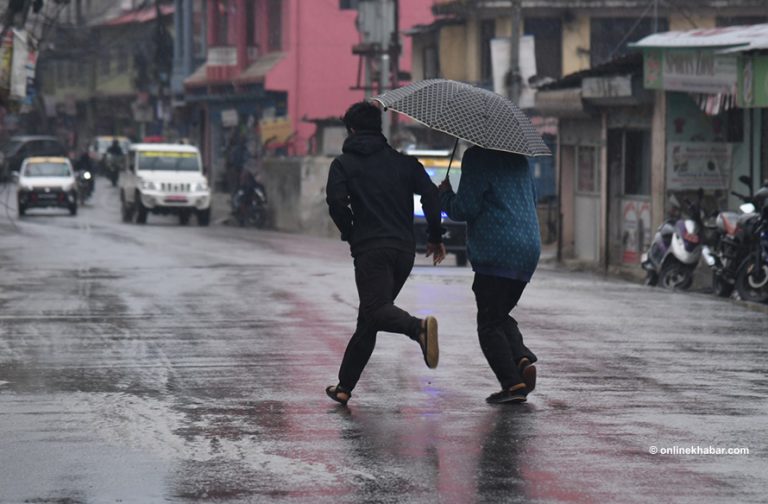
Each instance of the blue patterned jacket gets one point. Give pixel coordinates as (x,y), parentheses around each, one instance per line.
(497,199)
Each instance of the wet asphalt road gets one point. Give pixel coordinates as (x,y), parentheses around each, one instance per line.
(161,363)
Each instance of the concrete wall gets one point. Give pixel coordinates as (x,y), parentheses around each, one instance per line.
(296,195)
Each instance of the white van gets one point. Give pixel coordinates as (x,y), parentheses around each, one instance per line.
(164,179)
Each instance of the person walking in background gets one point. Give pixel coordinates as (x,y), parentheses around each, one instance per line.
(497,199)
(370,199)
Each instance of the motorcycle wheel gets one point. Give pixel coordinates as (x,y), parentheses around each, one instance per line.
(257,217)
(720,287)
(676,276)
(752,280)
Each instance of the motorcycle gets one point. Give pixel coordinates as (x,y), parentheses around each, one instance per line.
(676,249)
(85,185)
(752,275)
(249,205)
(732,245)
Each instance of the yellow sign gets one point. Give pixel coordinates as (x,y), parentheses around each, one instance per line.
(149,154)
(278,129)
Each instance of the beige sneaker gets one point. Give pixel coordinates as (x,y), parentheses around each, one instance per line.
(428,342)
(528,372)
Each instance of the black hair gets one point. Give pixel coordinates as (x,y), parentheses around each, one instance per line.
(363,116)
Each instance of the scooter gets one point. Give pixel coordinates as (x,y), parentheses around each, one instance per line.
(675,250)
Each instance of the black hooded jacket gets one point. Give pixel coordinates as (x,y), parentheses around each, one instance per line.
(370,195)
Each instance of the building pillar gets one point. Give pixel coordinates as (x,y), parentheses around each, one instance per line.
(658,159)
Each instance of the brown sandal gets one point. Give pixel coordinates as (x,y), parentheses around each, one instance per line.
(333,392)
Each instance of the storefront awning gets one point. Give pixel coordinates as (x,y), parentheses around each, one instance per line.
(708,38)
(561,103)
(259,69)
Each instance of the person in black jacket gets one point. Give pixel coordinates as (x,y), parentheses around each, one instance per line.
(370,198)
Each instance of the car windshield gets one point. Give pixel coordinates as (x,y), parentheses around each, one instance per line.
(47,170)
(102,144)
(169,161)
(11,146)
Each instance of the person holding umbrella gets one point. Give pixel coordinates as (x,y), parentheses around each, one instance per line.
(497,199)
(370,199)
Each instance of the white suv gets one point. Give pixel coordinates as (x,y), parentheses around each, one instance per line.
(164,179)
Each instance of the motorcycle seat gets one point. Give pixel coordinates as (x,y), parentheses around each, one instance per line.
(728,222)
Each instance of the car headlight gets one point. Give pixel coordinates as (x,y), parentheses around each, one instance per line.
(147,185)
(201,186)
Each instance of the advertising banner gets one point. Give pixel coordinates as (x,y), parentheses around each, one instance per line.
(19,65)
(690,70)
(753,82)
(694,165)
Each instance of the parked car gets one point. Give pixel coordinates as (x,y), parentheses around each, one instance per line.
(455,236)
(18,148)
(164,179)
(46,182)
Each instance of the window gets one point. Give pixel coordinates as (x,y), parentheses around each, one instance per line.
(222,22)
(274,25)
(348,4)
(250,23)
(587,177)
(609,36)
(548,33)
(487,33)
(431,66)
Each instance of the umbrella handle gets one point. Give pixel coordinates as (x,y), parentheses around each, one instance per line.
(453,153)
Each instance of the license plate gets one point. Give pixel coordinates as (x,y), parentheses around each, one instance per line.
(176,199)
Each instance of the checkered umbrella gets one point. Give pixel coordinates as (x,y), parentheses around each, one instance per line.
(467,112)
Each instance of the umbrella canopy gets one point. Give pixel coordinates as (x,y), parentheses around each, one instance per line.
(467,112)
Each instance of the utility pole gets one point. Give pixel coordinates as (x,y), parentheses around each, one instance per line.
(514,52)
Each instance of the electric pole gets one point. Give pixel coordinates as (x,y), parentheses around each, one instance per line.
(514,52)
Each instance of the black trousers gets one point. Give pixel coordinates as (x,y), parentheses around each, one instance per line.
(500,338)
(379,275)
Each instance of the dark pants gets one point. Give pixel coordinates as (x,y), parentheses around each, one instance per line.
(379,274)
(500,338)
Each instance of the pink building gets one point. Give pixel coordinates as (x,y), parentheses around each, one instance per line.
(290,60)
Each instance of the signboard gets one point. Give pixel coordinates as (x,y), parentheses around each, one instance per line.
(19,65)
(229,118)
(690,70)
(222,56)
(6,55)
(607,87)
(753,82)
(694,165)
(635,229)
(276,130)
(500,56)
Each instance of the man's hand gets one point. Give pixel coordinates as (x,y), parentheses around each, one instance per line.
(444,186)
(437,251)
